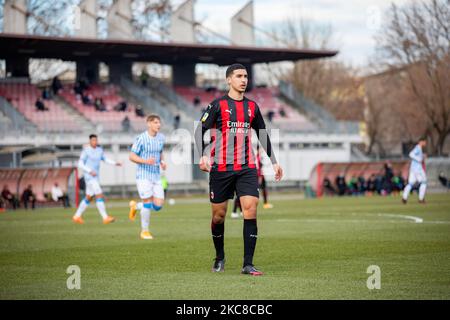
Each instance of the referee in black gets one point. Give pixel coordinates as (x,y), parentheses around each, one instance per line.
(231,162)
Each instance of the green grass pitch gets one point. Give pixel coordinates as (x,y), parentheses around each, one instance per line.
(308,249)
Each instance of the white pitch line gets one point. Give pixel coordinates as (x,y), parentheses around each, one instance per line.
(415,219)
(411,218)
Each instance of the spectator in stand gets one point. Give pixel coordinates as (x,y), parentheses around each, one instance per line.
(121,106)
(388,175)
(99,104)
(77,88)
(140,111)
(126,124)
(46,94)
(10,197)
(176,122)
(270,115)
(379,184)
(86,99)
(444,180)
(398,183)
(328,188)
(210,89)
(29,197)
(282,113)
(40,106)
(353,186)
(370,187)
(80,86)
(341,185)
(196,101)
(144,77)
(361,185)
(56,85)
(58,195)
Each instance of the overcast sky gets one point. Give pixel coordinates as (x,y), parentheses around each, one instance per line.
(354,21)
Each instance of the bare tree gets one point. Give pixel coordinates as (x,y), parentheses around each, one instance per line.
(151,19)
(416,38)
(391,116)
(50,17)
(328,82)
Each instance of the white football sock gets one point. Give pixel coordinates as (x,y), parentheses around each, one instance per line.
(406,191)
(81,208)
(145,219)
(422,189)
(101,208)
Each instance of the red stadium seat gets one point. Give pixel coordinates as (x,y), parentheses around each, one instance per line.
(23,97)
(110,120)
(266,98)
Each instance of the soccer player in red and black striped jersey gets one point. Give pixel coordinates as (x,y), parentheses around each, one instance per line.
(231,162)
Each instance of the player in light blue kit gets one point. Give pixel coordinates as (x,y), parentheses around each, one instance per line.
(147,153)
(89,162)
(417,172)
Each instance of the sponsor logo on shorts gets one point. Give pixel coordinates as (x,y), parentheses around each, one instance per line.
(212,195)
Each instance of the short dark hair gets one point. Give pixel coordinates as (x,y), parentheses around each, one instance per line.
(423,138)
(92,136)
(234,66)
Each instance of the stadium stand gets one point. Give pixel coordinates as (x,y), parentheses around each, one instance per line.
(23,97)
(110,120)
(326,121)
(266,98)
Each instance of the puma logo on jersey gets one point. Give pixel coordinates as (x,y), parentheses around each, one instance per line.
(227,110)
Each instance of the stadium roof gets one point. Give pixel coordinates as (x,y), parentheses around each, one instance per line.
(70,49)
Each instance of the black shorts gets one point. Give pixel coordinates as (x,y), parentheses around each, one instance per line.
(224,184)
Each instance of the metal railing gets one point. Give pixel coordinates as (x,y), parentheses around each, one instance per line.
(325,119)
(18,121)
(170,94)
(148,102)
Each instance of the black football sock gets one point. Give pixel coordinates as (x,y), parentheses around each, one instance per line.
(217,231)
(250,237)
(265,195)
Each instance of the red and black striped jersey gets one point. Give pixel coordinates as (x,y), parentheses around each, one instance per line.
(230,122)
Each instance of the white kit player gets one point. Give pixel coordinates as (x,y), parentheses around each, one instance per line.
(89,162)
(417,172)
(146,152)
